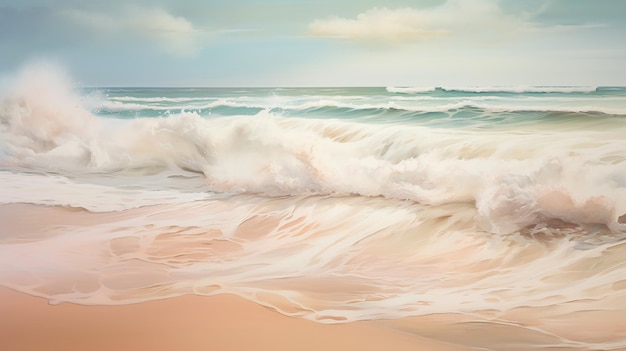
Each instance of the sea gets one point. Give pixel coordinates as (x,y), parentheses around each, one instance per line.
(498,208)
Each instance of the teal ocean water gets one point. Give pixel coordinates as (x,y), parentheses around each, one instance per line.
(504,207)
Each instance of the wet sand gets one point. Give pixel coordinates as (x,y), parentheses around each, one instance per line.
(229,322)
(187,323)
(223,322)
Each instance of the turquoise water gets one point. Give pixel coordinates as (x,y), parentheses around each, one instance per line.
(376,104)
(330,204)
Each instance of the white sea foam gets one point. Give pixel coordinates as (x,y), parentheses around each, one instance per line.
(419,104)
(44,127)
(57,190)
(116,105)
(524,89)
(411,90)
(157,99)
(496,89)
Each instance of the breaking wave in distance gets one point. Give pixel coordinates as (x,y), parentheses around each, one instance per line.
(496,89)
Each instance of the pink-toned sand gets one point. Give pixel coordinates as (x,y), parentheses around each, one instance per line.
(188,323)
(223,322)
(228,322)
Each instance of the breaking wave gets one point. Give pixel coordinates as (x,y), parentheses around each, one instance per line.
(496,89)
(513,182)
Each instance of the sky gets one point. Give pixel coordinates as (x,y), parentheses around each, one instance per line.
(319,42)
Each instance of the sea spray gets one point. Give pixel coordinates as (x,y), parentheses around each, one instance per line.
(506,172)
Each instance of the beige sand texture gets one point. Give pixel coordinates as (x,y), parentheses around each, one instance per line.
(230,322)
(189,323)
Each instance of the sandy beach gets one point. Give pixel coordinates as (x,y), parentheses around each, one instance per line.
(356,218)
(223,322)
(229,322)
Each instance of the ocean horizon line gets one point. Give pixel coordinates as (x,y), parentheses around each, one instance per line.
(346,86)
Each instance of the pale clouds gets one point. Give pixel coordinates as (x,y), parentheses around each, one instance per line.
(454,18)
(172,34)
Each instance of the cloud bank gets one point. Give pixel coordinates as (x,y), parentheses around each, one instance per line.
(173,34)
(453,18)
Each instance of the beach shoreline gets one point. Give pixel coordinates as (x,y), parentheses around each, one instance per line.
(312,218)
(222,322)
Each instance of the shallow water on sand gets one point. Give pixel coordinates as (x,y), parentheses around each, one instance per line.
(332,260)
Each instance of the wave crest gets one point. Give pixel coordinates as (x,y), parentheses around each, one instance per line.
(495,89)
(508,176)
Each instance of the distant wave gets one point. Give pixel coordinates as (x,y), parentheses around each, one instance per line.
(468,103)
(118,106)
(539,108)
(157,99)
(524,89)
(496,89)
(481,103)
(411,90)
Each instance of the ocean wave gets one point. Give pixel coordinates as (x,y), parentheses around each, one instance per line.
(607,110)
(157,99)
(507,174)
(512,187)
(458,105)
(119,106)
(55,190)
(411,90)
(524,89)
(496,89)
(418,106)
(467,104)
(443,98)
